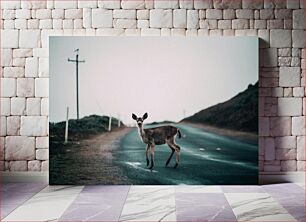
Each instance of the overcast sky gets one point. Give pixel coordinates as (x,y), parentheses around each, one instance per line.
(166,77)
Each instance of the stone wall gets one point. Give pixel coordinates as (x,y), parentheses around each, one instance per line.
(26,25)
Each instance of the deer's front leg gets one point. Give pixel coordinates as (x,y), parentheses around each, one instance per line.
(147,154)
(152,156)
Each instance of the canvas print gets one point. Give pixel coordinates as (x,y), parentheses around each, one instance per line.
(153,111)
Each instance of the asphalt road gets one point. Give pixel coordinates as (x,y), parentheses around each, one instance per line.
(206,158)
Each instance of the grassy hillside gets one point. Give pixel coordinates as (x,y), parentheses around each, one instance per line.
(239,113)
(82,128)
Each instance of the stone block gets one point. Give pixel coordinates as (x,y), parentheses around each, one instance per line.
(23,14)
(186,4)
(224,24)
(285,154)
(45,165)
(8,14)
(228,14)
(8,87)
(13,125)
(109,4)
(269,149)
(31,67)
(264,126)
(293,4)
(6,57)
(214,14)
(19,148)
(87,4)
(245,13)
(34,126)
(42,154)
(203,4)
(133,4)
(160,18)
(73,13)
(192,19)
(299,19)
(29,38)
(42,142)
(124,13)
(298,38)
(142,24)
(240,24)
(102,18)
(264,41)
(179,18)
(65,4)
(13,72)
(43,68)
(58,13)
(33,106)
(166,4)
(290,106)
(298,125)
(41,87)
(125,23)
(301,166)
(301,148)
(5,105)
(285,142)
(298,92)
(3,132)
(44,107)
(34,165)
(280,126)
(109,32)
(227,4)
(10,5)
(18,106)
(252,4)
(9,38)
(43,13)
(289,76)
(270,57)
(143,14)
(280,38)
(288,165)
(18,166)
(25,87)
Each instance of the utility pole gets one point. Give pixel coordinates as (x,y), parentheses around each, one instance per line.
(76,60)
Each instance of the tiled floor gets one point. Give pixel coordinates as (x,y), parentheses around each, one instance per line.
(39,202)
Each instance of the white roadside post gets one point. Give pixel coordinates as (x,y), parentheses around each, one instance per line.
(66,128)
(110,123)
(119,122)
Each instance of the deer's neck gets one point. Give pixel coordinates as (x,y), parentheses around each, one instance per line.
(141,131)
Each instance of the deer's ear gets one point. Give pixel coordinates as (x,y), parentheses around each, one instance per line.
(134,116)
(145,116)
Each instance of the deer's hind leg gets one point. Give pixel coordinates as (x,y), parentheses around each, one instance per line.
(173,150)
(147,154)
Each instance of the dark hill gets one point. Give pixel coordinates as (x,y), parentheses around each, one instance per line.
(239,113)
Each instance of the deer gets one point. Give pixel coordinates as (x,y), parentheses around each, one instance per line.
(158,136)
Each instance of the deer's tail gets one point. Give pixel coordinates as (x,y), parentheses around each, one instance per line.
(179,133)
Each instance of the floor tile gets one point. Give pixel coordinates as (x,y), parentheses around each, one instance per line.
(283,188)
(22,187)
(298,212)
(203,207)
(242,189)
(149,203)
(198,189)
(97,203)
(47,205)
(289,199)
(257,207)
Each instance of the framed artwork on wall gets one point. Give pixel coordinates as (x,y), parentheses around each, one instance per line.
(153,111)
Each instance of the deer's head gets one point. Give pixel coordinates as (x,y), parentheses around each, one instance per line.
(140,120)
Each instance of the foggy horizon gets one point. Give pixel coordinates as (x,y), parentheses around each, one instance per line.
(169,78)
